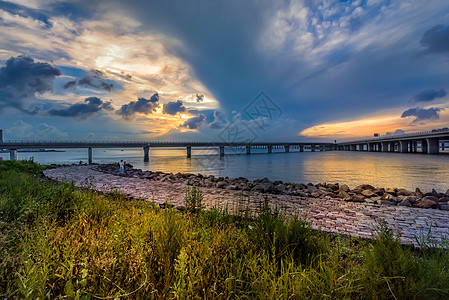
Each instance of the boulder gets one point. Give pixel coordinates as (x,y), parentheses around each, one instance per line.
(364,187)
(432,198)
(444,199)
(379,192)
(221,184)
(447,192)
(405,202)
(343,194)
(391,191)
(443,206)
(431,192)
(368,193)
(333,186)
(426,203)
(404,192)
(312,188)
(344,188)
(357,198)
(418,192)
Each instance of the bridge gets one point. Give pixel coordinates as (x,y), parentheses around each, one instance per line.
(430,142)
(13,146)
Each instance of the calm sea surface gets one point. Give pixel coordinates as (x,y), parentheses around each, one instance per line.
(352,168)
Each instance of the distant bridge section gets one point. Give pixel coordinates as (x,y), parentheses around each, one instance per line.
(13,146)
(430,142)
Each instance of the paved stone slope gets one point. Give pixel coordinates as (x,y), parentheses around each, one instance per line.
(330,215)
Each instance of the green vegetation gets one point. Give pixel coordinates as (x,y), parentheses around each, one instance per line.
(57,241)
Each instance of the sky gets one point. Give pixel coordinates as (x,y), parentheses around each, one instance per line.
(222,70)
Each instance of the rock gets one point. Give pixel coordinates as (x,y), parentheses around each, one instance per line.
(431,192)
(312,188)
(333,186)
(431,198)
(404,192)
(411,199)
(368,193)
(344,188)
(447,192)
(343,194)
(405,202)
(391,191)
(364,187)
(418,192)
(357,198)
(443,207)
(384,202)
(379,192)
(426,203)
(444,199)
(221,184)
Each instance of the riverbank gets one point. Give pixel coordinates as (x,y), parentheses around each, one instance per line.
(312,202)
(57,241)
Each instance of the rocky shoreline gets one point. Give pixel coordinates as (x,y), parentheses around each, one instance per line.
(364,193)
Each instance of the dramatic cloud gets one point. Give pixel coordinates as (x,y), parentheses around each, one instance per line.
(199,97)
(172,108)
(422,114)
(22,78)
(70,84)
(23,130)
(429,95)
(91,106)
(142,105)
(195,122)
(95,79)
(220,120)
(436,39)
(397,131)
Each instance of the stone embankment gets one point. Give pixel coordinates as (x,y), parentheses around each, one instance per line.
(362,193)
(332,208)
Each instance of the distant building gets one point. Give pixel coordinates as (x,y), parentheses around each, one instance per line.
(376,135)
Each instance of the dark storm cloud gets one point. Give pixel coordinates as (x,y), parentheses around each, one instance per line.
(199,97)
(142,105)
(436,39)
(429,95)
(21,79)
(90,106)
(422,114)
(172,108)
(70,84)
(195,122)
(95,79)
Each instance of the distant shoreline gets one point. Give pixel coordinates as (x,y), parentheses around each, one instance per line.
(32,150)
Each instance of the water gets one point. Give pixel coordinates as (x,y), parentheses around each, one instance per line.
(352,168)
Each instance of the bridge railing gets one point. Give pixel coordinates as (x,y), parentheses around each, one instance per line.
(433,131)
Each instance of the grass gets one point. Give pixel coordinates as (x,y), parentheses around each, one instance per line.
(57,241)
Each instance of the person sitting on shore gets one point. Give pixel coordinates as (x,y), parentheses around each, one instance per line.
(122,167)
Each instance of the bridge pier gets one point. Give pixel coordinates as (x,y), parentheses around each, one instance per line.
(13,154)
(221,151)
(248,150)
(384,146)
(270,149)
(287,148)
(312,148)
(371,147)
(403,146)
(89,155)
(301,148)
(146,156)
(433,146)
(189,151)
